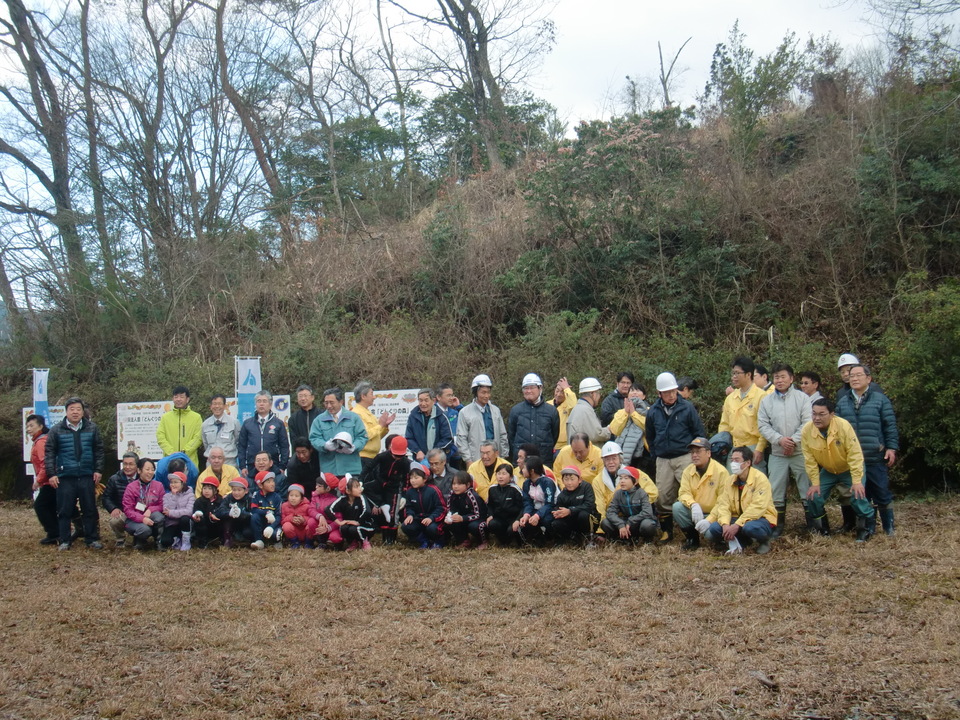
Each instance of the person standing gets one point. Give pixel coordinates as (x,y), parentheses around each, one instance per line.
(45,503)
(179,429)
(532,420)
(73,459)
(583,417)
(220,430)
(263,432)
(377,427)
(338,436)
(481,421)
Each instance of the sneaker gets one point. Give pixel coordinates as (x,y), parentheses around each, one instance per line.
(176,544)
(258,545)
(63,546)
(95,545)
(465,545)
(353,546)
(763,548)
(366,545)
(482,546)
(50,541)
(423,545)
(120,543)
(435,546)
(295,545)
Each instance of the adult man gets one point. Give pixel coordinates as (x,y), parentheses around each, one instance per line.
(298,427)
(427,427)
(870,412)
(703,481)
(614,401)
(450,406)
(782,416)
(741,407)
(672,424)
(45,503)
(338,436)
(263,432)
(744,511)
(686,386)
(844,363)
(218,469)
(481,421)
(833,456)
(810,384)
(628,425)
(73,459)
(761,378)
(532,420)
(583,417)
(112,498)
(220,430)
(564,400)
(179,429)
(581,453)
(483,470)
(304,472)
(441,472)
(377,428)
(606,482)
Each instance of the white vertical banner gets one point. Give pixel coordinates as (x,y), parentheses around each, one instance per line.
(40,378)
(248,383)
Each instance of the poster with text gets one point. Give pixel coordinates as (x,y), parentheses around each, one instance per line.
(56,413)
(401,402)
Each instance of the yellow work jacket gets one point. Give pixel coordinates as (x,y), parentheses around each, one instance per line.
(563,409)
(838,452)
(589,468)
(375,431)
(482,481)
(751,502)
(703,489)
(739,417)
(228,473)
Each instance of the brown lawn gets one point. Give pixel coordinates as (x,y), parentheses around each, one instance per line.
(816,629)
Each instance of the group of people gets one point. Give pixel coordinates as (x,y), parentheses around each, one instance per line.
(553,470)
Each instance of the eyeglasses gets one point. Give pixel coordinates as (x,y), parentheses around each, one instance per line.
(735,373)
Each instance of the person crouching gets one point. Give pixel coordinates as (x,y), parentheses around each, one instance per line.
(298,517)
(424,510)
(234,512)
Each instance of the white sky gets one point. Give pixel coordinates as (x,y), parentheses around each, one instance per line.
(602,41)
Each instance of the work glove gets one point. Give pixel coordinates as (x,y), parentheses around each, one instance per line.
(197,516)
(702,526)
(268,532)
(331,445)
(271,518)
(735,548)
(697,512)
(234,511)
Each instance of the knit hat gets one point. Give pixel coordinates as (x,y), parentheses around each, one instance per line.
(420,468)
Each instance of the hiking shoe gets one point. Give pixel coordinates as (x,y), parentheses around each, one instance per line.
(95,545)
(120,543)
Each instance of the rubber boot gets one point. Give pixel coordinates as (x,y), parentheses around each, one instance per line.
(849,519)
(821,525)
(809,519)
(185,541)
(872,522)
(693,539)
(666,525)
(863,531)
(781,521)
(886,520)
(389,536)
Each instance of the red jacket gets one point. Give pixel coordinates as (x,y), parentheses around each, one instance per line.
(152,497)
(304,509)
(36,457)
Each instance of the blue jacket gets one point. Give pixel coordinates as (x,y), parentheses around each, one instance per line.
(549,496)
(163,470)
(424,502)
(273,439)
(261,503)
(324,429)
(669,436)
(538,424)
(74,453)
(416,432)
(874,422)
(453,414)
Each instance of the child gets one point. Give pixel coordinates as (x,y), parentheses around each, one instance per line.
(354,515)
(143,505)
(298,517)
(630,515)
(504,505)
(383,481)
(234,513)
(575,515)
(424,510)
(328,533)
(206,524)
(467,516)
(178,509)
(265,504)
(539,496)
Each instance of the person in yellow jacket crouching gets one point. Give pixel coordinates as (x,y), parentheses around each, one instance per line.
(703,481)
(744,512)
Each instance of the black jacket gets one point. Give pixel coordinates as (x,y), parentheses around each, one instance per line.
(538,424)
(505,502)
(580,500)
(112,498)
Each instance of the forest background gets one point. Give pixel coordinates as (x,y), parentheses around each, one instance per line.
(184,181)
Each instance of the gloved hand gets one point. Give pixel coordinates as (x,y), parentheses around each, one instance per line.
(198,516)
(385,509)
(702,526)
(697,512)
(268,532)
(271,518)
(331,445)
(735,548)
(234,511)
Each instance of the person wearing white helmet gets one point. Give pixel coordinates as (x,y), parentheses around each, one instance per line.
(583,417)
(533,421)
(844,363)
(481,421)
(606,482)
(672,424)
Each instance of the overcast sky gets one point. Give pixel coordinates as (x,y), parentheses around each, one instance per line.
(602,41)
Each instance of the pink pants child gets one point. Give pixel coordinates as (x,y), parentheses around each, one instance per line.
(300,533)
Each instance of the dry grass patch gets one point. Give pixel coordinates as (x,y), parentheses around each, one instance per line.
(816,629)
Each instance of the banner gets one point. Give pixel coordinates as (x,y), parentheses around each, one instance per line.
(57,413)
(40,378)
(137,423)
(248,383)
(401,402)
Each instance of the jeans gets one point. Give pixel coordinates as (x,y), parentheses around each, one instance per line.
(753,530)
(877,484)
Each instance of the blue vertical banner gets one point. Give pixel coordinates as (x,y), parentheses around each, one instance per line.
(40,406)
(248,384)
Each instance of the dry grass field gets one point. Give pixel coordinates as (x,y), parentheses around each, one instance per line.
(816,629)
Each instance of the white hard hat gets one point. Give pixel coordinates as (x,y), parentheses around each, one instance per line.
(531,379)
(666,381)
(610,448)
(589,384)
(847,359)
(481,381)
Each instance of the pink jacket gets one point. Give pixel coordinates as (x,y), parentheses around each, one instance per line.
(304,509)
(152,498)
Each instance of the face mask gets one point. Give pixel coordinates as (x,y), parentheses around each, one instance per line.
(735,468)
